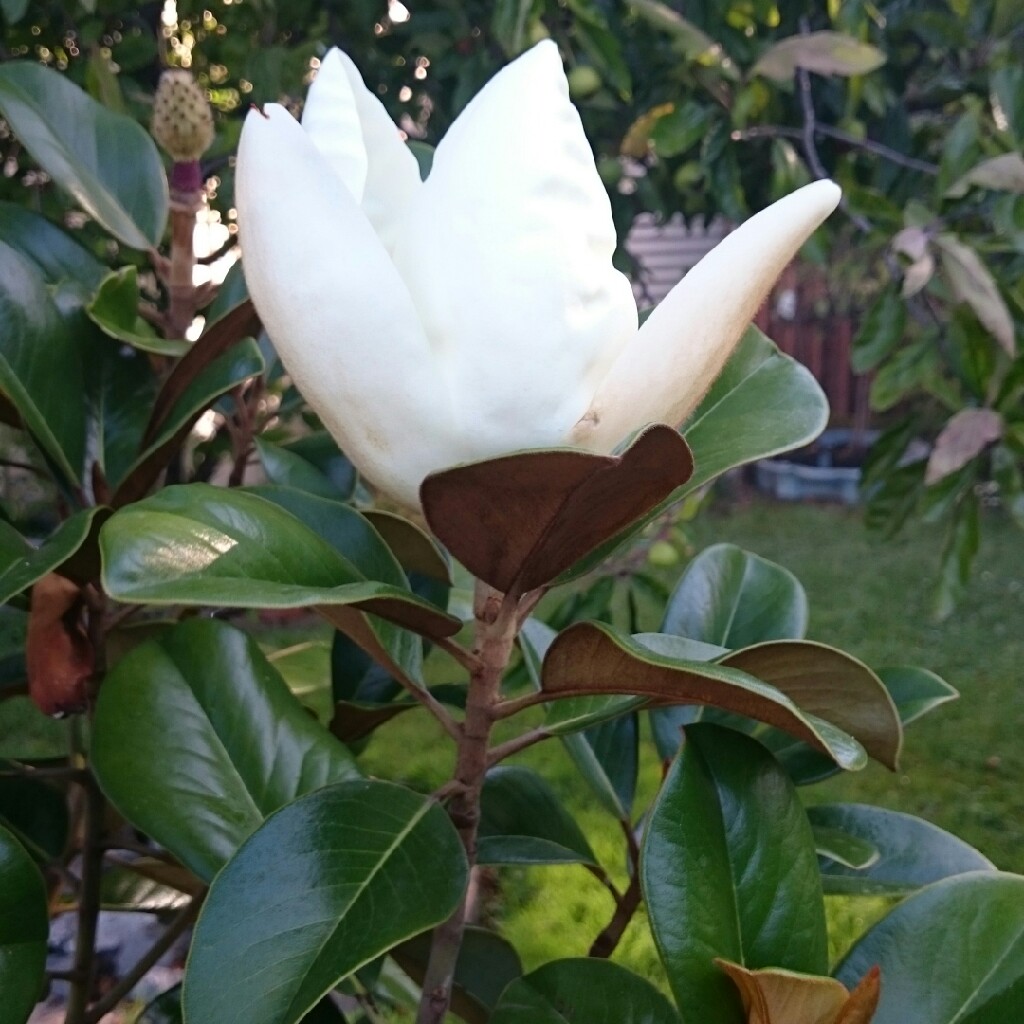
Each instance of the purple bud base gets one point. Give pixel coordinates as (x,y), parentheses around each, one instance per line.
(186,177)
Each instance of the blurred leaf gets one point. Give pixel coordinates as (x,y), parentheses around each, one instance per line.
(243,745)
(57,255)
(1004,173)
(115,310)
(952,953)
(880,331)
(327,884)
(35,338)
(520,520)
(106,161)
(911,852)
(589,659)
(583,991)
(744,886)
(126,891)
(825,53)
(972,282)
(688,39)
(965,435)
(24,928)
(523,822)
(14,10)
(915,691)
(845,849)
(679,130)
(732,598)
(958,556)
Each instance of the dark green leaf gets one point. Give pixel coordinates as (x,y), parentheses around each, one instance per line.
(743,886)
(311,464)
(242,745)
(37,814)
(324,886)
(733,598)
(21,565)
(166,1009)
(105,160)
(583,992)
(115,310)
(962,540)
(952,954)
(58,256)
(842,848)
(523,822)
(35,338)
(911,852)
(915,691)
(24,927)
(124,890)
(207,545)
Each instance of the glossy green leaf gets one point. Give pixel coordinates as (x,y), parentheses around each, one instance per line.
(743,886)
(327,884)
(37,814)
(915,691)
(34,338)
(242,745)
(24,927)
(849,850)
(523,822)
(733,598)
(107,161)
(591,659)
(487,964)
(313,464)
(114,309)
(198,545)
(583,991)
(761,404)
(164,437)
(21,564)
(911,852)
(952,954)
(57,255)
(166,1009)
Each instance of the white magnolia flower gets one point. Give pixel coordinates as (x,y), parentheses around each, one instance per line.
(478,312)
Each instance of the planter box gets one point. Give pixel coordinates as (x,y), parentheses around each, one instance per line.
(812,473)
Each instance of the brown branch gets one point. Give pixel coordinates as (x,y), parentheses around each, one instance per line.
(625,906)
(514,746)
(496,617)
(145,964)
(508,708)
(467,659)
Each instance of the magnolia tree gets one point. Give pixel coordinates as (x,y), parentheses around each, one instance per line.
(466,341)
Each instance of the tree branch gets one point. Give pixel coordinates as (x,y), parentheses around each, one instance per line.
(503,750)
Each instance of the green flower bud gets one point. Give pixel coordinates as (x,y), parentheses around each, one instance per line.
(182,119)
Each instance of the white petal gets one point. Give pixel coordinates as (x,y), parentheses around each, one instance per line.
(682,347)
(336,309)
(507,253)
(331,119)
(393,173)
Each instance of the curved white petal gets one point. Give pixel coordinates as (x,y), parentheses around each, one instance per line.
(682,347)
(331,119)
(337,311)
(507,252)
(392,173)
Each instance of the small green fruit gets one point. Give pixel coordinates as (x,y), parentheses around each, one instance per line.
(662,553)
(584,81)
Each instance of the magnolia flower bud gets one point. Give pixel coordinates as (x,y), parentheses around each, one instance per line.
(182,119)
(477,312)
